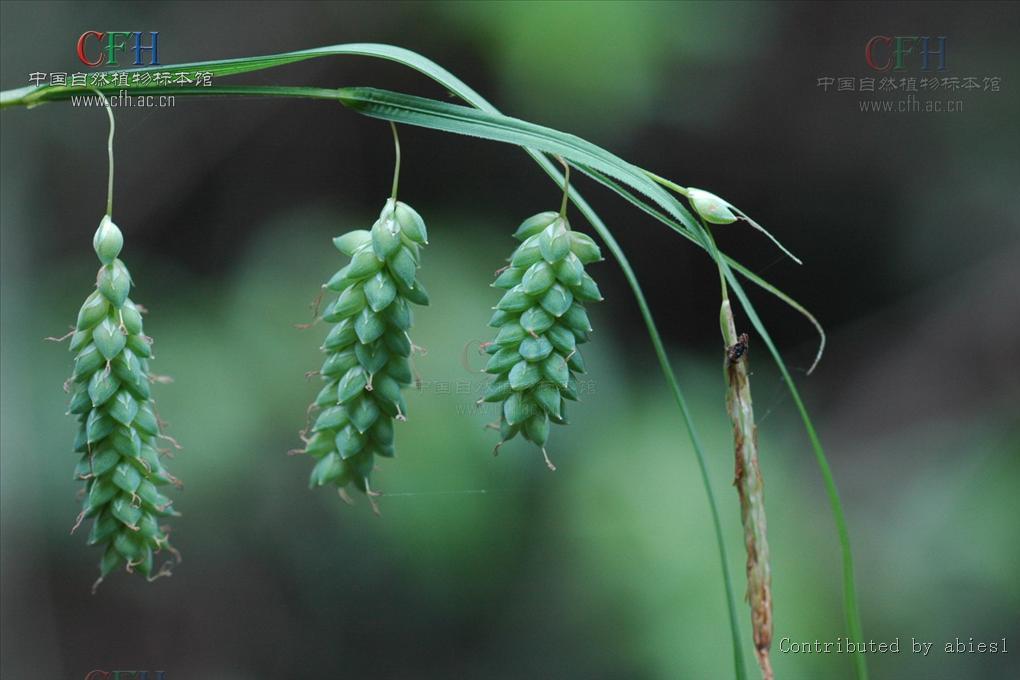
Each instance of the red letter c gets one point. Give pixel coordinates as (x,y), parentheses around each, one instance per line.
(97,62)
(867,52)
(92,674)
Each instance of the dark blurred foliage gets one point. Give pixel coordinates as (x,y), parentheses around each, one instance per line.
(494,568)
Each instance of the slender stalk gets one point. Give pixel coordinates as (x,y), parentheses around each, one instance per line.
(109,151)
(668,183)
(396,163)
(566,187)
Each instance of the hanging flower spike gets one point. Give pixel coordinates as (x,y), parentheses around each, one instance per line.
(541,320)
(118,429)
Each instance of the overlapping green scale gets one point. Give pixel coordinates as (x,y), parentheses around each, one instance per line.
(118,428)
(368,348)
(541,320)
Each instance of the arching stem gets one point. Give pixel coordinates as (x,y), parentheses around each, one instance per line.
(109,151)
(396,163)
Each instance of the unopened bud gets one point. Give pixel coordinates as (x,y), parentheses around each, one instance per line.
(108,240)
(411,223)
(711,208)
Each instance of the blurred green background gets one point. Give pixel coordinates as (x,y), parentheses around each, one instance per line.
(495,568)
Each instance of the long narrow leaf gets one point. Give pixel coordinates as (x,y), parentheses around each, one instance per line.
(464,120)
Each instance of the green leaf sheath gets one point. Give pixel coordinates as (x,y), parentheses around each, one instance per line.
(118,429)
(367,349)
(540,321)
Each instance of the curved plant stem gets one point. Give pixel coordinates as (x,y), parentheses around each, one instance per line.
(109,151)
(566,187)
(396,163)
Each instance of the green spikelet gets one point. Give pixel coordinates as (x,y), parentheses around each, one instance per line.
(118,428)
(540,320)
(367,350)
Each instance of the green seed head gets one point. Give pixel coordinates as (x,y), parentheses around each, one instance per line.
(540,320)
(366,365)
(118,432)
(711,208)
(108,240)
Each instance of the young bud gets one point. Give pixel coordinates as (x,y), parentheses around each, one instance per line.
(536,320)
(557,300)
(538,278)
(502,361)
(536,429)
(385,237)
(554,242)
(711,208)
(114,282)
(523,375)
(535,349)
(528,253)
(535,224)
(351,241)
(411,223)
(584,248)
(515,300)
(373,358)
(509,277)
(108,240)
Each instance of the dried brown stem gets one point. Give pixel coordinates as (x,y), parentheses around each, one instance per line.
(748,480)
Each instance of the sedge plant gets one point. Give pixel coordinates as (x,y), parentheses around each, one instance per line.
(689,212)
